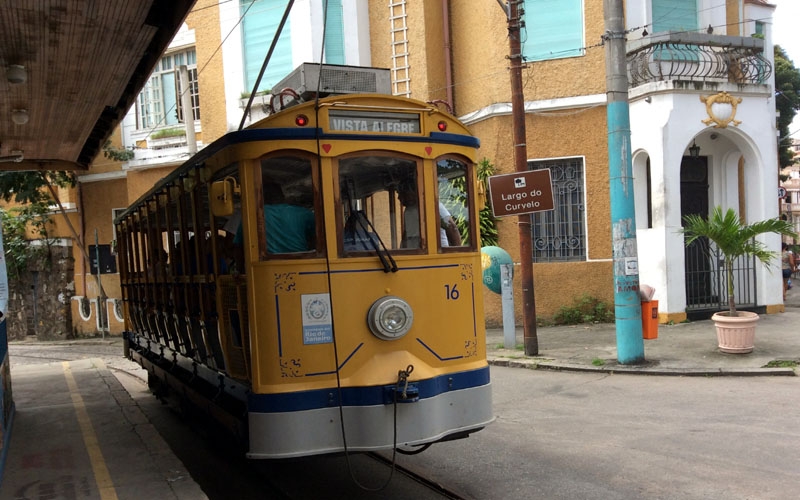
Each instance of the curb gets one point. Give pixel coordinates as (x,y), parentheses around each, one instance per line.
(650,368)
(83,341)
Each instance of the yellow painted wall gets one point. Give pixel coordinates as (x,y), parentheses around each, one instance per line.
(481,74)
(732,17)
(101,164)
(480,46)
(555,134)
(97,201)
(140,181)
(98,198)
(481,78)
(204,20)
(582,133)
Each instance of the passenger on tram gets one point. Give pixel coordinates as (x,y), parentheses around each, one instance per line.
(448,230)
(411,229)
(290,228)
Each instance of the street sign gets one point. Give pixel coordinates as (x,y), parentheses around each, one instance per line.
(781,192)
(521,192)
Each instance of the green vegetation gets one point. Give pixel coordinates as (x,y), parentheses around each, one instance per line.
(246,93)
(31,220)
(585,309)
(29,186)
(598,362)
(518,347)
(20,252)
(487,224)
(787,102)
(118,154)
(486,220)
(781,363)
(734,239)
(168,132)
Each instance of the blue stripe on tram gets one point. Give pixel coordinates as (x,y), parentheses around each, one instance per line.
(363,396)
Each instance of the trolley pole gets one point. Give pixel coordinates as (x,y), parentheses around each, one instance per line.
(531,340)
(627,306)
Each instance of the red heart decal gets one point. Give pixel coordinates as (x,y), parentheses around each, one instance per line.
(326,147)
(428,150)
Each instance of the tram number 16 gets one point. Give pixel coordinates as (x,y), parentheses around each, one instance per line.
(451,291)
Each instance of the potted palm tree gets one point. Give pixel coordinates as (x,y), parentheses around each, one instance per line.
(735,329)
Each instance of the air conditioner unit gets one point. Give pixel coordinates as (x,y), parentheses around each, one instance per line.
(331,79)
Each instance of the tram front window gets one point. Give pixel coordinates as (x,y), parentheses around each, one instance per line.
(381,206)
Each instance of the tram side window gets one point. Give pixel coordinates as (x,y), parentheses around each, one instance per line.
(454,203)
(289,212)
(381,204)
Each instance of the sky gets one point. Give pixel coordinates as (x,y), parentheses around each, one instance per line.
(784,33)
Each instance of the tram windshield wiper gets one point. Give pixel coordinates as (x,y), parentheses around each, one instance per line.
(375,241)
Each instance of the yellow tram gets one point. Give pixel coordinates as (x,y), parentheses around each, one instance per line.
(313,282)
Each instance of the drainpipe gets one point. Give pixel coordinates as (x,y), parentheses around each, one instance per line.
(81,235)
(448,71)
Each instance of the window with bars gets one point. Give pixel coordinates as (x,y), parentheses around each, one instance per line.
(559,235)
(159,102)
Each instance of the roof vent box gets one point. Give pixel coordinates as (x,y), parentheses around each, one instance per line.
(335,79)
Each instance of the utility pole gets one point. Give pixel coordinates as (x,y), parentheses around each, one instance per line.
(627,305)
(514,13)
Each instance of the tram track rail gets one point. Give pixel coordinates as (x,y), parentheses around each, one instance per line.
(417,477)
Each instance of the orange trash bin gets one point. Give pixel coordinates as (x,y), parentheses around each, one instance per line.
(649,319)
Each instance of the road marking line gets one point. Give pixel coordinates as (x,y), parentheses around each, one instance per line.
(101,474)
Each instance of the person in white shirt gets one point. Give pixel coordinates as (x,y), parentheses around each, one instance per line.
(448,230)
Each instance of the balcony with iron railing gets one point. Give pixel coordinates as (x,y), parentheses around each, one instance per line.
(697,57)
(790,208)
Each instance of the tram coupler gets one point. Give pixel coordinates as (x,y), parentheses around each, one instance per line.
(403,394)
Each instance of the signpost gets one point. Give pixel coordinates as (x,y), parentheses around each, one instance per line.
(521,193)
(781,192)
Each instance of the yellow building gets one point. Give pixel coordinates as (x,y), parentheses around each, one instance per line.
(456,52)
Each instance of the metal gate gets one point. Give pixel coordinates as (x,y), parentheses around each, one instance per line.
(706,288)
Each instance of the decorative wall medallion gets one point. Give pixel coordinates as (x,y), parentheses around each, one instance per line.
(721,109)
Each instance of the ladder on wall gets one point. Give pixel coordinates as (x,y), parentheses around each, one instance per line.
(401,77)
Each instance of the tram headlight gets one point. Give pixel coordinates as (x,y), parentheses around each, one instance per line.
(390,318)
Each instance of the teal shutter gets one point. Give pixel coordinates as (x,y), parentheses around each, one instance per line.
(674,15)
(258,29)
(334,33)
(553,29)
(170,96)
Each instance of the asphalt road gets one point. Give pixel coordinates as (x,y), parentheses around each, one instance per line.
(579,435)
(558,435)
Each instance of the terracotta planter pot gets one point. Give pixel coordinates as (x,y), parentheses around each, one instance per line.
(736,334)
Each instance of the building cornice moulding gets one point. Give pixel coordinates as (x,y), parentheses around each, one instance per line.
(504,108)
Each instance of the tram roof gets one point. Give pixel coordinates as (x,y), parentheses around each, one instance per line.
(257,131)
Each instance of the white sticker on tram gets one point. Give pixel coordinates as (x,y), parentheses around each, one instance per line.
(317,325)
